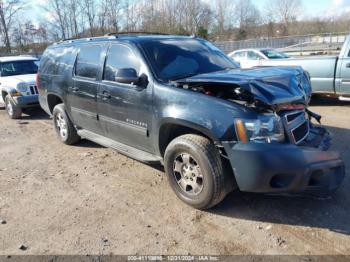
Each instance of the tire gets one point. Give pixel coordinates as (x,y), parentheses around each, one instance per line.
(13,111)
(64,127)
(208,185)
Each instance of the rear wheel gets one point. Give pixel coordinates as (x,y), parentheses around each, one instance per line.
(13,111)
(195,171)
(64,127)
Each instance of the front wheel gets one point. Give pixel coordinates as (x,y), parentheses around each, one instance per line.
(13,111)
(64,127)
(195,171)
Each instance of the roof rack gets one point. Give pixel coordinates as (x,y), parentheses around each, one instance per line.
(70,40)
(135,33)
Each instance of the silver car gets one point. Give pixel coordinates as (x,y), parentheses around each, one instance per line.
(248,58)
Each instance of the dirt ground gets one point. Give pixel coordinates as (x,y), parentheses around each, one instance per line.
(86,199)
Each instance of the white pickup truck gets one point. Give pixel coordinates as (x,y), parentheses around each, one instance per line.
(18,84)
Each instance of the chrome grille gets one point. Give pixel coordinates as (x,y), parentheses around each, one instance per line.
(33,89)
(296,125)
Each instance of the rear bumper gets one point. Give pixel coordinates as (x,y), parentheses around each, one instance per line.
(26,101)
(284,168)
(44,105)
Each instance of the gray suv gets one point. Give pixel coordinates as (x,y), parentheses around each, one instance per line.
(181,102)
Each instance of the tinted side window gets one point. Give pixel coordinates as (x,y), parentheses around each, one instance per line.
(119,56)
(48,63)
(65,58)
(88,61)
(253,56)
(239,55)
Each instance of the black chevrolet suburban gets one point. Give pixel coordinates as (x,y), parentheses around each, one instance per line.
(181,102)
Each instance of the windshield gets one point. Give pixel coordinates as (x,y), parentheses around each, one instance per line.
(274,54)
(19,67)
(174,59)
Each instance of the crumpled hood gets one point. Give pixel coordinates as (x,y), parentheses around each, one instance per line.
(14,80)
(270,85)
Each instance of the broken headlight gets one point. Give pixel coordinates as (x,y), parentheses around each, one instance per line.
(266,128)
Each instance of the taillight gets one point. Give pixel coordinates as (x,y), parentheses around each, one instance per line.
(37,81)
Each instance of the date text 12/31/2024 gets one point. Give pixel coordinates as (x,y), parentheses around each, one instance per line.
(173,258)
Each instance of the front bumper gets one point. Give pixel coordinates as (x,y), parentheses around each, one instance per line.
(26,101)
(284,168)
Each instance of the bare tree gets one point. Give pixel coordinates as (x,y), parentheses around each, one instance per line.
(89,10)
(284,12)
(58,9)
(74,13)
(223,12)
(192,15)
(247,16)
(113,14)
(8,10)
(102,16)
(133,14)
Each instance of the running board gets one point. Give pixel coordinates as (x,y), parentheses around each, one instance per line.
(121,148)
(344,98)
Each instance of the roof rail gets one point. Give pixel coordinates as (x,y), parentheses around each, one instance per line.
(135,33)
(70,40)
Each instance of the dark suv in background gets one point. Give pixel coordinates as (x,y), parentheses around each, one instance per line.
(181,102)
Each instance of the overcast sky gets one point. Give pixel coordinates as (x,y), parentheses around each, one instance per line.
(311,8)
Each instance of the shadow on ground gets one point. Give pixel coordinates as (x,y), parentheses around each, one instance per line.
(329,213)
(87,144)
(34,113)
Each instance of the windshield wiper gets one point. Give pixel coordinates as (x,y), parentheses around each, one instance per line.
(196,74)
(183,77)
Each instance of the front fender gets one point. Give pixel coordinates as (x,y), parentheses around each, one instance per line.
(7,90)
(211,116)
(185,123)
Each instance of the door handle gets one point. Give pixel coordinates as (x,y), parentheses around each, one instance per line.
(348,65)
(75,89)
(106,95)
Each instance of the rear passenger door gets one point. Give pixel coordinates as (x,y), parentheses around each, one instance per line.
(125,110)
(82,95)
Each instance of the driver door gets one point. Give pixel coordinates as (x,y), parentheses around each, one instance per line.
(125,110)
(343,76)
(253,59)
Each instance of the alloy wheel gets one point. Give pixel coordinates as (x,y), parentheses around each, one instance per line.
(61,125)
(187,174)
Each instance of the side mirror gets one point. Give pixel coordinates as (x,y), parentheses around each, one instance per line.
(127,76)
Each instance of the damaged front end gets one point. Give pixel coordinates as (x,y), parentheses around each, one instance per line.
(284,148)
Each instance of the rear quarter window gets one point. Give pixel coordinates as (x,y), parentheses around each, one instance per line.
(88,61)
(48,62)
(57,61)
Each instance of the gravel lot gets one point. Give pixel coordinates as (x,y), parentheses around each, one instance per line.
(86,199)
